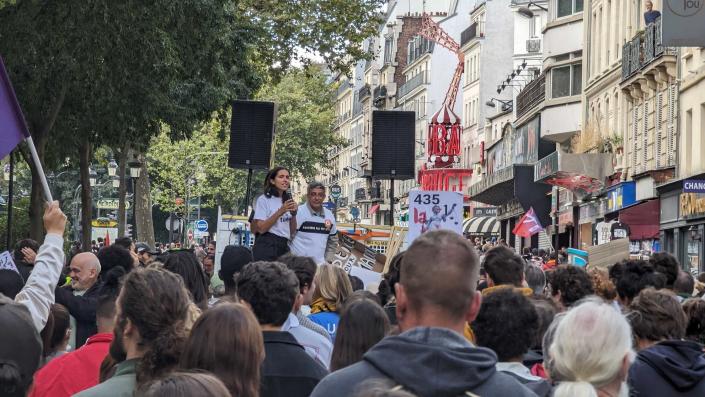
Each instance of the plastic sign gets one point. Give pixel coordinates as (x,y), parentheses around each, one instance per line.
(434,210)
(201,225)
(335,191)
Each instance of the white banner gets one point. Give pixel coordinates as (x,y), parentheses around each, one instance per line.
(434,210)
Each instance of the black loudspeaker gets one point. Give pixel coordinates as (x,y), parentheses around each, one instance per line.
(251,134)
(393,144)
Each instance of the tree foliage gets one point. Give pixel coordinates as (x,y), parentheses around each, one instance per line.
(305,114)
(194,167)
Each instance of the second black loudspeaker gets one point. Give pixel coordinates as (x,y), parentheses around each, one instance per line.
(251,134)
(393,144)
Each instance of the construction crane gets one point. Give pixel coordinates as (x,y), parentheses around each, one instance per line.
(433,31)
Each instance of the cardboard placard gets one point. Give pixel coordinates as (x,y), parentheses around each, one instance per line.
(6,262)
(434,210)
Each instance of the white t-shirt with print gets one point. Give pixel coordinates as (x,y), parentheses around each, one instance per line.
(311,234)
(266,207)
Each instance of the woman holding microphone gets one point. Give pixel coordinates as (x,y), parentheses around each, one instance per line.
(275,217)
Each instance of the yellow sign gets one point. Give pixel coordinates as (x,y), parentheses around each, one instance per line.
(692,205)
(103,223)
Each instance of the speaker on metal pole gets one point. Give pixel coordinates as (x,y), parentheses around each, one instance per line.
(251,134)
(393,144)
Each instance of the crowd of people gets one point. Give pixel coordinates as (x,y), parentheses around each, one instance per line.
(449,318)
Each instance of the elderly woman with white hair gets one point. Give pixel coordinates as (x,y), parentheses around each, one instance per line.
(591,351)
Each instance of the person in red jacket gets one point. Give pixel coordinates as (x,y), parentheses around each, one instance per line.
(79,370)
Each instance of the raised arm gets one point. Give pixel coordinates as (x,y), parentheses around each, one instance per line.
(38,293)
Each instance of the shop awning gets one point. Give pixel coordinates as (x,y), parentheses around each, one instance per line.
(643,220)
(373,209)
(481,226)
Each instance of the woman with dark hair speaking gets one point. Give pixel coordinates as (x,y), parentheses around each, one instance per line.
(274,219)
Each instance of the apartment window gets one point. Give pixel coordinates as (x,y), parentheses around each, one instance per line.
(569,7)
(566,81)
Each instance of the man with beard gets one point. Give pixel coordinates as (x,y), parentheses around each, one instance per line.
(78,370)
(81,298)
(149,331)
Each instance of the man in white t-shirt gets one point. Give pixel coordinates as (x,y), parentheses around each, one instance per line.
(316,235)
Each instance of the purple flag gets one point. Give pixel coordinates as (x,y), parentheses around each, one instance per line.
(13,127)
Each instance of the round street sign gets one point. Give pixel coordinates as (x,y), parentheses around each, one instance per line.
(335,191)
(201,225)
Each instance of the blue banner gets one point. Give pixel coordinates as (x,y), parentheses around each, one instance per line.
(694,186)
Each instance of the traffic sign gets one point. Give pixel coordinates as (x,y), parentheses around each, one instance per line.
(335,191)
(201,225)
(356,220)
(355,212)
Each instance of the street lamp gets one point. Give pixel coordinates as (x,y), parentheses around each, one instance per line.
(526,11)
(112,168)
(135,168)
(116,181)
(92,176)
(505,103)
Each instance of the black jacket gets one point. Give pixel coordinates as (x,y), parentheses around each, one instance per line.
(82,308)
(287,369)
(672,368)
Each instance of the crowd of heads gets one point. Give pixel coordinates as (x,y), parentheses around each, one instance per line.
(561,330)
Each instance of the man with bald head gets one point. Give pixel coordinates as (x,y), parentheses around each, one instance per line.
(81,297)
(436,295)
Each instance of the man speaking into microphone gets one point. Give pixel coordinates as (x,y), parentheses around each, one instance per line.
(316,235)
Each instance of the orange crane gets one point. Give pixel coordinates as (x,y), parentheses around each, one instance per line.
(433,31)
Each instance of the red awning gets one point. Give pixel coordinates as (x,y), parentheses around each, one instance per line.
(643,220)
(373,209)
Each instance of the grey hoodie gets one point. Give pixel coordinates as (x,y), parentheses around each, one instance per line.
(430,362)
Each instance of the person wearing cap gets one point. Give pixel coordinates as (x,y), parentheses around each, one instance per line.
(145,253)
(316,235)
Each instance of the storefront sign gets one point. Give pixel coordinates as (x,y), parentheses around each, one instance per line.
(484,211)
(450,180)
(510,209)
(694,186)
(546,167)
(621,196)
(103,222)
(110,204)
(692,205)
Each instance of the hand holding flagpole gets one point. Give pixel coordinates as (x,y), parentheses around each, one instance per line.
(13,128)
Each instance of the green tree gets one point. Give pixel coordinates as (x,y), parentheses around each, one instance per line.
(112,72)
(305,114)
(194,167)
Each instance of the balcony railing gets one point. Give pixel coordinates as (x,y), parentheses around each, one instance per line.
(490,180)
(364,92)
(410,85)
(643,50)
(533,94)
(468,34)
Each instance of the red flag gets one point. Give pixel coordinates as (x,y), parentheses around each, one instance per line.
(528,225)
(106,242)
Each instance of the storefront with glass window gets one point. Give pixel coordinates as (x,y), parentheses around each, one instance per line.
(682,228)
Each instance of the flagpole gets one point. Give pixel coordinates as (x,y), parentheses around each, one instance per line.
(40,169)
(10,193)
